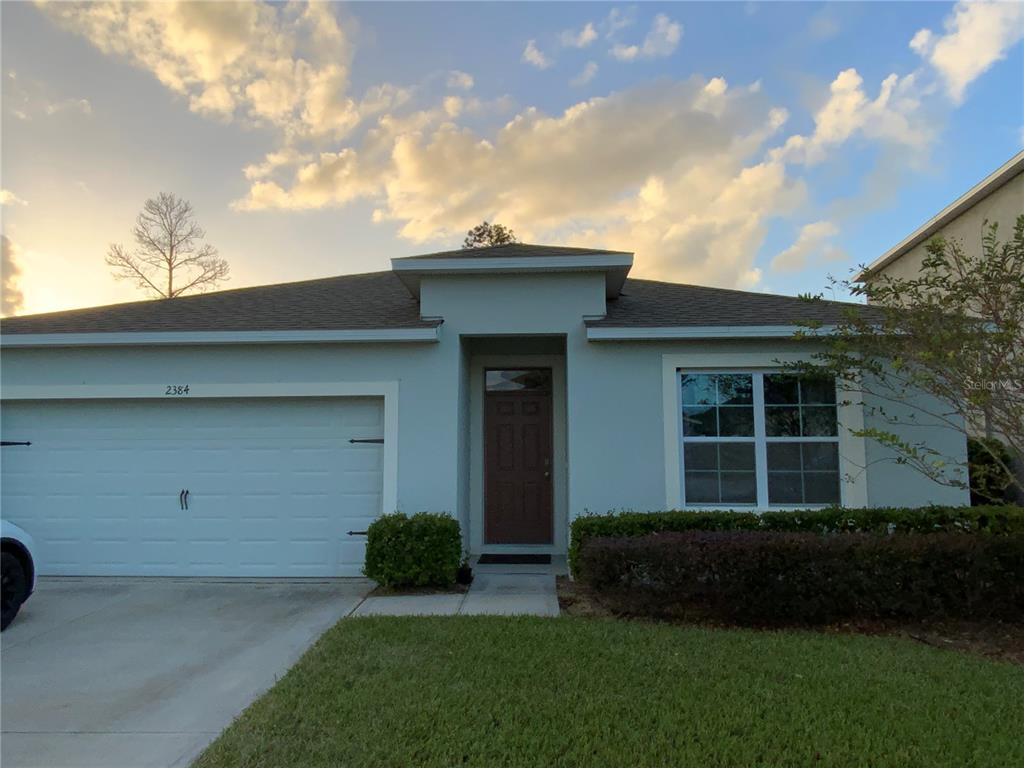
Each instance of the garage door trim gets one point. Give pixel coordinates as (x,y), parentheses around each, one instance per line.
(388,390)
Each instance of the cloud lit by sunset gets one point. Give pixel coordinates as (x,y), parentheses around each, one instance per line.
(324,139)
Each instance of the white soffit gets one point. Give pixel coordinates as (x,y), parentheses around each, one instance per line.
(693,332)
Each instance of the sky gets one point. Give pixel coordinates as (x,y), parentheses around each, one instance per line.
(762,146)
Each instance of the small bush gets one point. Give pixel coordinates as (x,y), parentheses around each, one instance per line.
(759,577)
(990,519)
(424,550)
(990,481)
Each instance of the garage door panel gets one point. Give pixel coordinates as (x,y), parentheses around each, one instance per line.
(273,484)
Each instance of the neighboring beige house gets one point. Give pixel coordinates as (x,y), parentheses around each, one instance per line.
(997,198)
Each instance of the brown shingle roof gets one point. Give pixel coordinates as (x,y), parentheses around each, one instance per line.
(654,304)
(380,300)
(348,302)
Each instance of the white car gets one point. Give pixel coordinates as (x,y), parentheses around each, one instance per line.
(17,570)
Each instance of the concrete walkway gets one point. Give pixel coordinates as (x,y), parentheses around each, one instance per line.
(492,594)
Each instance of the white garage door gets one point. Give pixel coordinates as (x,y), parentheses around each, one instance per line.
(273,485)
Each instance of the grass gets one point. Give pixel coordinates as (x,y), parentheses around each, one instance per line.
(482,691)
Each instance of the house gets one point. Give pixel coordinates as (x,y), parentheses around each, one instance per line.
(998,198)
(258,432)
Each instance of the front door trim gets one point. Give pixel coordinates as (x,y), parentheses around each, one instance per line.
(475,454)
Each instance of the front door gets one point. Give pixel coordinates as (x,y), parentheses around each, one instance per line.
(517,457)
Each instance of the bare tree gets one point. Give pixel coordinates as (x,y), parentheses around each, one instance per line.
(169,259)
(485,234)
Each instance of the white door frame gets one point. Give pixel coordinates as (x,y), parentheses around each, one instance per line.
(560,485)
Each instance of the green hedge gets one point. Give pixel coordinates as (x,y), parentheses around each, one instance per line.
(771,577)
(424,550)
(990,519)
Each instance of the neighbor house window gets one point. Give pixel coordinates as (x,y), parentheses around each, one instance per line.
(759,439)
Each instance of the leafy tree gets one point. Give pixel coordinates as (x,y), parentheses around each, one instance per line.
(169,259)
(955,331)
(486,234)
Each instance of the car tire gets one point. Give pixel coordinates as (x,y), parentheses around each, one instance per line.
(13,586)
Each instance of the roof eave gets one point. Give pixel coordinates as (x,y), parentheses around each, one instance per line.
(695,332)
(991,183)
(191,338)
(615,267)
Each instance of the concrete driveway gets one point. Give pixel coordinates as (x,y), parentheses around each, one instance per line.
(131,673)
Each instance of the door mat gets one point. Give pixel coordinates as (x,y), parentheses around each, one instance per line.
(514,560)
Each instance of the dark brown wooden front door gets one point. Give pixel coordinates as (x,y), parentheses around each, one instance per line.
(518,457)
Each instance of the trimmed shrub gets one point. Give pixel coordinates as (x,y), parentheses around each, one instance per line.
(424,550)
(990,519)
(990,482)
(763,578)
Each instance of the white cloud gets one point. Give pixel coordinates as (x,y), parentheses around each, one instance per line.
(284,65)
(922,41)
(458,80)
(12,300)
(978,34)
(679,171)
(661,40)
(587,74)
(618,20)
(532,55)
(81,105)
(272,161)
(9,198)
(625,52)
(812,246)
(581,39)
(670,170)
(893,117)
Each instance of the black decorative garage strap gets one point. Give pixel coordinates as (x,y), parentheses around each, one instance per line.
(26,442)
(367,440)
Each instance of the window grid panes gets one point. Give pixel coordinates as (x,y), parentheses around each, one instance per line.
(759,439)
(718,427)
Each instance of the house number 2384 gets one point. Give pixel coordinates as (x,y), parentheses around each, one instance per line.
(176,390)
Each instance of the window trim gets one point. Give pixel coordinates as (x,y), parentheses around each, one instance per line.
(712,358)
(760,439)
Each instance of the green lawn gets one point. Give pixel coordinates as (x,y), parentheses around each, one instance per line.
(533,692)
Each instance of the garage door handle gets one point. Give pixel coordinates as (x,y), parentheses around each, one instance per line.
(186,498)
(181,499)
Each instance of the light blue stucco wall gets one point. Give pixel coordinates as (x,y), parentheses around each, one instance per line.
(617,418)
(923,421)
(428,386)
(615,412)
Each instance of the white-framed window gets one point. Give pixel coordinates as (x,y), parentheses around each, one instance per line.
(758,439)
